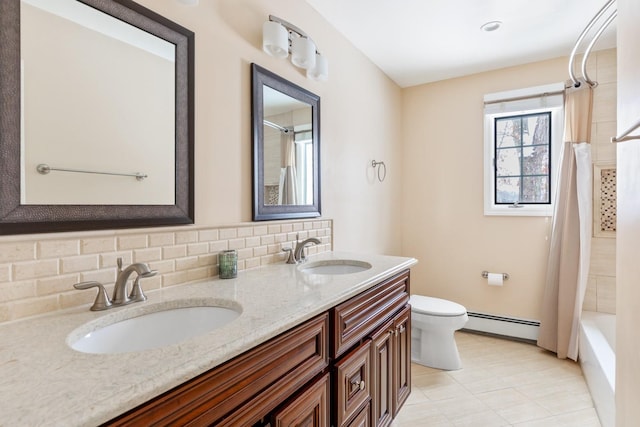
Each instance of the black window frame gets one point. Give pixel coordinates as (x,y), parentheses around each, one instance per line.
(549,115)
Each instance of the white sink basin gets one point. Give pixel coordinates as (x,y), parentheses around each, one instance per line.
(162,327)
(335,266)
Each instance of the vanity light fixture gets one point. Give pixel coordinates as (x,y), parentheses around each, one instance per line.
(189,2)
(279,38)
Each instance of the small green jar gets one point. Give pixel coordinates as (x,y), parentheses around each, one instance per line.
(228,261)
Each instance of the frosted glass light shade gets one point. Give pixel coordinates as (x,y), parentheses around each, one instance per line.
(275,39)
(321,70)
(303,52)
(189,2)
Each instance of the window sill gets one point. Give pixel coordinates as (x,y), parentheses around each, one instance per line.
(524,210)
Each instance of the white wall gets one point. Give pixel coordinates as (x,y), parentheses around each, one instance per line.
(628,241)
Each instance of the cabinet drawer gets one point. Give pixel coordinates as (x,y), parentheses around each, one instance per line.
(353,319)
(255,382)
(353,382)
(309,409)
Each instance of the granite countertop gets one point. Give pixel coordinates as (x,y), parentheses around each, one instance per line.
(45,382)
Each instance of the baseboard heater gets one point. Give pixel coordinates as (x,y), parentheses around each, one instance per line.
(510,327)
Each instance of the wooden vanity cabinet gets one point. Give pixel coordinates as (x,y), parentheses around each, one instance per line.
(309,408)
(401,363)
(391,367)
(349,366)
(352,379)
(382,370)
(246,389)
(378,319)
(363,419)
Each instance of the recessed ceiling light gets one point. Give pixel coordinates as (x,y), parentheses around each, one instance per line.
(491,26)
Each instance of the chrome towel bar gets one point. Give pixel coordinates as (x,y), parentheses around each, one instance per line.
(44,169)
(625,135)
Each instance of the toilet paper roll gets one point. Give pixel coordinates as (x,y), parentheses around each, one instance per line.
(495,279)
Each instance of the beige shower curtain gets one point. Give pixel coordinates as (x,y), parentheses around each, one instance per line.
(288,175)
(569,253)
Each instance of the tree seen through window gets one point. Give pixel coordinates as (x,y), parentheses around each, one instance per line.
(522,159)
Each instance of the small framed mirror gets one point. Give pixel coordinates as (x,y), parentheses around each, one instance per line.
(97,120)
(286,148)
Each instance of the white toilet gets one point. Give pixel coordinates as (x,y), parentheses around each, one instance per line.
(433,322)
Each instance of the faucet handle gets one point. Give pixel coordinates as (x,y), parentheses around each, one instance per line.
(290,258)
(136,294)
(102,301)
(119,262)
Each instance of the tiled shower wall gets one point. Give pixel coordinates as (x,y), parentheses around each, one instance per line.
(37,273)
(601,288)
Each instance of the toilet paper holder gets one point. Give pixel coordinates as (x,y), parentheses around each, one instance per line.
(485,275)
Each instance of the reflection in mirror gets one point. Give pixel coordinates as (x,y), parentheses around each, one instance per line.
(116,82)
(286,148)
(97,123)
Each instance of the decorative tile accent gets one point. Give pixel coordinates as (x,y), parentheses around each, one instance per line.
(604,200)
(271,194)
(608,199)
(37,273)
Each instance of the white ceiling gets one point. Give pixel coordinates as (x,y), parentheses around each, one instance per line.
(420,41)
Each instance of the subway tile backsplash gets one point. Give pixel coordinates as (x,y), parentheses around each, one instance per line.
(37,272)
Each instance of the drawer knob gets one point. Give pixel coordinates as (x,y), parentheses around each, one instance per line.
(355,385)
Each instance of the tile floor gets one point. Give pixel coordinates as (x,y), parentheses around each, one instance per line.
(502,383)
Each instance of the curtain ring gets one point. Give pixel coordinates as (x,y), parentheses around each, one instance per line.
(382,169)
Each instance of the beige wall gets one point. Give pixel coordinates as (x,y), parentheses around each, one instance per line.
(77,114)
(430,138)
(360,119)
(443,221)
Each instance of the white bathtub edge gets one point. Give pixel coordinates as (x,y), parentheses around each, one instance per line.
(597,360)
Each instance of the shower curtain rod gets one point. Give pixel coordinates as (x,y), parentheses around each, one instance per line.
(276,126)
(595,38)
(521,98)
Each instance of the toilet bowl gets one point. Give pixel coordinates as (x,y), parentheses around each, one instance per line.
(433,322)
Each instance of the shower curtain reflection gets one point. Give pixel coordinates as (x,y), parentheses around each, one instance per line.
(288,176)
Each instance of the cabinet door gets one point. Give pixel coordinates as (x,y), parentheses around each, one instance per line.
(309,409)
(382,350)
(353,383)
(363,419)
(402,358)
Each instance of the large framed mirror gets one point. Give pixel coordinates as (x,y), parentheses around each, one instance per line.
(97,120)
(286,148)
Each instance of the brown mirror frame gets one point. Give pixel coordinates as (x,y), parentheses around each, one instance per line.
(261,77)
(16,218)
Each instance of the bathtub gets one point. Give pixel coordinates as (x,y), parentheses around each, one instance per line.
(597,357)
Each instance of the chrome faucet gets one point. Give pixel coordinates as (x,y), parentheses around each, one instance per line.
(120,296)
(298,252)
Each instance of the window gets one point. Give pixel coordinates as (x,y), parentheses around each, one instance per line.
(523,135)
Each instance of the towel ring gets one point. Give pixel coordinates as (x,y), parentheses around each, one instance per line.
(381,169)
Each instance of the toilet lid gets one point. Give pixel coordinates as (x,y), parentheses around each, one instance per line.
(435,306)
